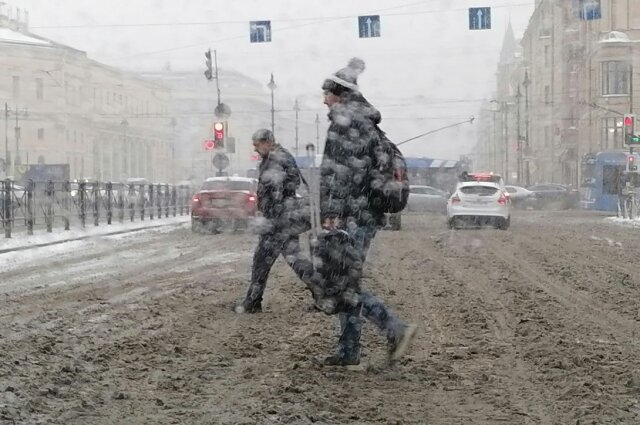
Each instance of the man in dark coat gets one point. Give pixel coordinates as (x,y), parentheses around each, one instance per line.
(278,181)
(346,178)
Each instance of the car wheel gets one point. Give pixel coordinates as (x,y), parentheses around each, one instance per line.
(240,225)
(503,223)
(452,223)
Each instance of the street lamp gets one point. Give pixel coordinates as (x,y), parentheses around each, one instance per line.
(17,131)
(297,109)
(7,160)
(526,83)
(272,86)
(125,151)
(173,124)
(318,131)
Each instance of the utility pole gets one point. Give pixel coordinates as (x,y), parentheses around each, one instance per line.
(272,86)
(6,139)
(505,127)
(125,149)
(17,160)
(519,136)
(526,83)
(173,124)
(297,109)
(317,133)
(215,62)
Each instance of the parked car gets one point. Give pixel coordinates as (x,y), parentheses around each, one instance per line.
(490,177)
(224,200)
(556,196)
(479,203)
(520,196)
(427,198)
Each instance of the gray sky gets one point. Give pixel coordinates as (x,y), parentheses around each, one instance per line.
(427,70)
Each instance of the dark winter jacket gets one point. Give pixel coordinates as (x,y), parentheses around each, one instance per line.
(278,180)
(345,174)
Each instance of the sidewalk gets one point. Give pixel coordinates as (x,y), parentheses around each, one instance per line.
(41,238)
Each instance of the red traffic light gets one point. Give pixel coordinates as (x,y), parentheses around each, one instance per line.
(218,131)
(209,145)
(628,121)
(632,158)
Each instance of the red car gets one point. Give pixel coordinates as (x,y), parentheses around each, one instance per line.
(224,200)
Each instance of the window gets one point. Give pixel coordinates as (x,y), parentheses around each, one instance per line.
(226,185)
(39,89)
(611,179)
(547,95)
(612,132)
(615,77)
(16,87)
(41,134)
(547,136)
(546,56)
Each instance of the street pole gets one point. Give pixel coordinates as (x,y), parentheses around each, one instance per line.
(125,151)
(519,136)
(526,83)
(272,87)
(505,125)
(173,150)
(6,139)
(17,160)
(215,58)
(297,109)
(317,133)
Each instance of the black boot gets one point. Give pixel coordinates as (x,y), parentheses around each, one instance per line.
(340,360)
(248,307)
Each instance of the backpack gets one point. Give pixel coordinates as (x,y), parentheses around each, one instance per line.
(389,183)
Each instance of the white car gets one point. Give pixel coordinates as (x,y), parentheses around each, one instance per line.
(479,203)
(521,197)
(426,198)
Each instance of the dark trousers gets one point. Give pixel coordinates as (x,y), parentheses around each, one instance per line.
(368,306)
(270,246)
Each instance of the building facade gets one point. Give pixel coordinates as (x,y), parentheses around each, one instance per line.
(574,82)
(61,107)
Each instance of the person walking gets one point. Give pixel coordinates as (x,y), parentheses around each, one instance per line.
(283,220)
(346,178)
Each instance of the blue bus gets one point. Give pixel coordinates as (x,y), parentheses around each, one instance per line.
(603,175)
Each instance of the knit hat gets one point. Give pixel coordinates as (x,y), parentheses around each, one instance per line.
(345,79)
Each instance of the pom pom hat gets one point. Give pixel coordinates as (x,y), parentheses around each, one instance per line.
(345,79)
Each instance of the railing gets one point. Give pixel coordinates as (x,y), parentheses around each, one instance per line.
(65,204)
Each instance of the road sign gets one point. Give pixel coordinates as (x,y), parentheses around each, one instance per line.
(590,10)
(220,161)
(260,31)
(369,26)
(479,18)
(209,145)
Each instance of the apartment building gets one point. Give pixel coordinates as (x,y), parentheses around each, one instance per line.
(63,107)
(576,77)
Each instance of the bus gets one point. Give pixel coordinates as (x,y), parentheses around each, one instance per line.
(603,176)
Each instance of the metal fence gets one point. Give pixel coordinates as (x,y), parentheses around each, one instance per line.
(65,204)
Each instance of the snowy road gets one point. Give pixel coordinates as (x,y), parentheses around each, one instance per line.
(535,325)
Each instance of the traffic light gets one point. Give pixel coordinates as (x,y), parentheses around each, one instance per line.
(208,73)
(632,163)
(631,136)
(218,134)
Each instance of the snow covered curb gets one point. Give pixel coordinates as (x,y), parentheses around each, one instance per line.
(623,221)
(60,236)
